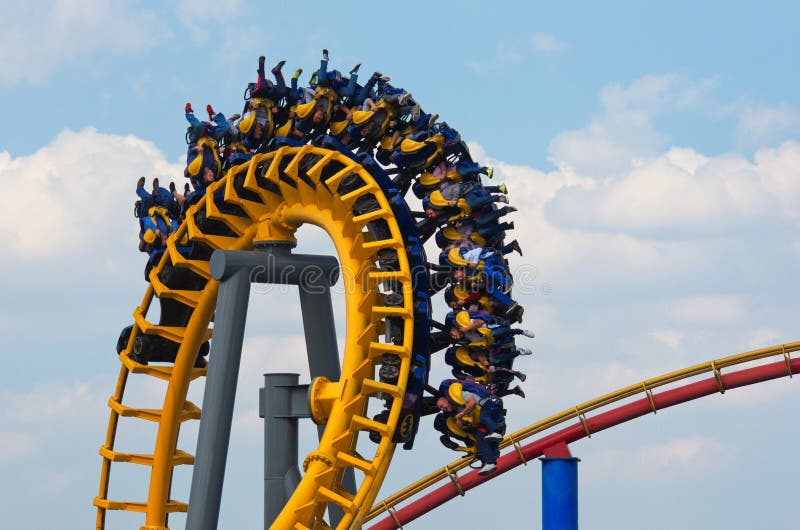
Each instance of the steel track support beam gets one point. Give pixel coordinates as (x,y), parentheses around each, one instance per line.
(235,270)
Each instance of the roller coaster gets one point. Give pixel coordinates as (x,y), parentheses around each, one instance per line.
(350,178)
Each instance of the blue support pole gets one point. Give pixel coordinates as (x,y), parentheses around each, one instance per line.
(560,493)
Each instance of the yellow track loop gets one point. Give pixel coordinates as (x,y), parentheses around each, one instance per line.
(579,412)
(268,199)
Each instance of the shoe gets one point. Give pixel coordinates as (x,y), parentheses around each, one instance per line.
(155,184)
(186,189)
(402,98)
(493,437)
(503,189)
(140,182)
(188,108)
(527,333)
(210,111)
(354,70)
(510,226)
(324,54)
(277,68)
(517,391)
(515,243)
(313,80)
(515,312)
(486,469)
(172,187)
(296,74)
(503,199)
(521,376)
(489,171)
(432,120)
(524,351)
(515,315)
(376,75)
(261,61)
(235,116)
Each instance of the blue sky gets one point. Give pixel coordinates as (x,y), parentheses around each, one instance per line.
(653,152)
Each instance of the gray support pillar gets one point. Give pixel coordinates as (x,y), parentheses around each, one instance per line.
(282,402)
(235,270)
(223,370)
(323,355)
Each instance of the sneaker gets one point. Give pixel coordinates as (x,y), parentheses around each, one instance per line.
(210,111)
(324,54)
(493,437)
(277,68)
(489,171)
(527,333)
(188,108)
(515,312)
(415,112)
(354,70)
(486,469)
(524,351)
(402,98)
(503,189)
(503,199)
(140,182)
(296,74)
(155,184)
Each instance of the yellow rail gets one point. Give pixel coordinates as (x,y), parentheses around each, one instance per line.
(269,198)
(579,412)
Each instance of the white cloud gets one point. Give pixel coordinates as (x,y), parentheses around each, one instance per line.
(68,196)
(624,131)
(668,337)
(78,403)
(57,32)
(762,338)
(720,309)
(17,445)
(546,43)
(683,193)
(203,16)
(758,125)
(679,458)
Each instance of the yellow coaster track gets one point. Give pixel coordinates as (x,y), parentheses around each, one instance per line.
(267,199)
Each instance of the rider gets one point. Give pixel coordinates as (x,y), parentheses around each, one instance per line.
(472,402)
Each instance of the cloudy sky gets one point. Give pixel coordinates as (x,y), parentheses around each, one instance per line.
(653,153)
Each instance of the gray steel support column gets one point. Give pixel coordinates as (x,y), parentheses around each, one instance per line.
(220,392)
(282,402)
(235,270)
(323,355)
